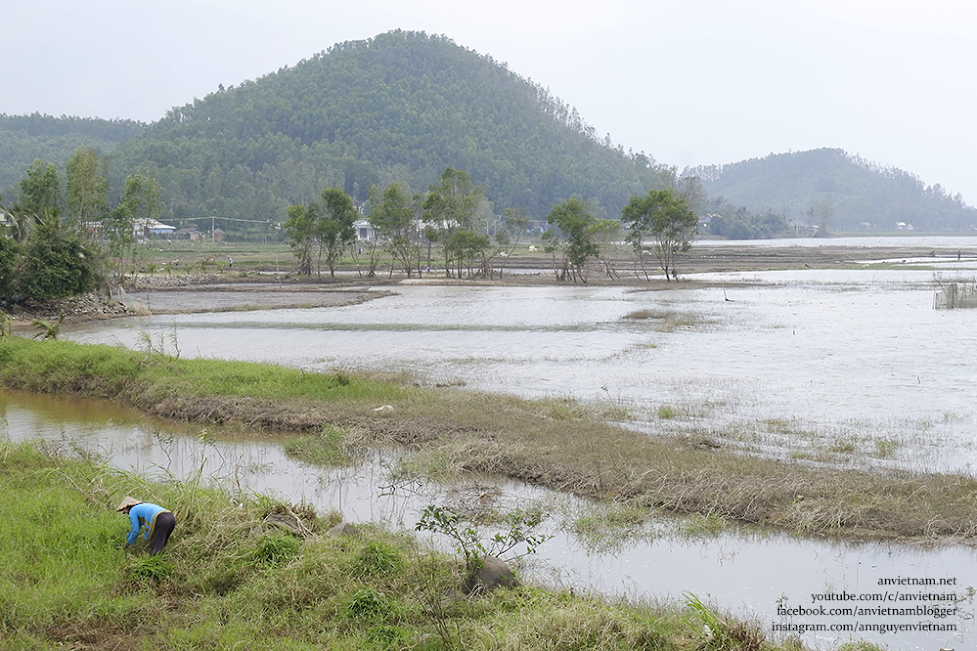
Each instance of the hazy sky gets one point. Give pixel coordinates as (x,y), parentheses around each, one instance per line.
(690,82)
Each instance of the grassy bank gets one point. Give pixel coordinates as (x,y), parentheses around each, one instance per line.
(228,579)
(549,443)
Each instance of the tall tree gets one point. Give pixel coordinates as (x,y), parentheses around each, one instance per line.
(87,187)
(575,241)
(11,258)
(40,195)
(665,216)
(139,206)
(821,215)
(335,230)
(450,207)
(300,232)
(394,215)
(512,226)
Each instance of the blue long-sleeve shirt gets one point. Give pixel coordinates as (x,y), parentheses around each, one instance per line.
(142,515)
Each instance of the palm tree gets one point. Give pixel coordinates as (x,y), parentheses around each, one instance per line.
(48,331)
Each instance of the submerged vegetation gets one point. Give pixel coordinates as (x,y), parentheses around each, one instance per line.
(450,433)
(230,578)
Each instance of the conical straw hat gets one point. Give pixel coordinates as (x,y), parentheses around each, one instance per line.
(128,501)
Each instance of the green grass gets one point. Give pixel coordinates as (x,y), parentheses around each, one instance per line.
(108,371)
(228,580)
(324,448)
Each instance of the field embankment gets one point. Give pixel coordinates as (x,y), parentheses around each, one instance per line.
(556,444)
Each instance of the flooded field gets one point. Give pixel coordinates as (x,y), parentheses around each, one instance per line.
(749,573)
(843,367)
(847,367)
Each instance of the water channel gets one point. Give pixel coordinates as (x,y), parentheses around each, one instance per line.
(852,368)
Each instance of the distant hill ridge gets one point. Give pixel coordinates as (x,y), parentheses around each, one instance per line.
(862,195)
(403,106)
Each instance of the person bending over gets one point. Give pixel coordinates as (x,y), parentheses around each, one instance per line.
(157,521)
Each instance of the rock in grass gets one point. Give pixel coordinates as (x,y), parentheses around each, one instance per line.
(494,573)
(343,529)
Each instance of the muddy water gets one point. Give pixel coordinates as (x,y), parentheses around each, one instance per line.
(746,573)
(851,368)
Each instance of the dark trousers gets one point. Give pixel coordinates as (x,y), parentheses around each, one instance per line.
(161,532)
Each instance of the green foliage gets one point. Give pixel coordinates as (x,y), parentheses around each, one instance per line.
(393,215)
(471,545)
(324,449)
(48,330)
(42,256)
(667,412)
(11,253)
(664,217)
(140,205)
(275,549)
(87,186)
(300,233)
(720,634)
(738,223)
(64,578)
(59,263)
(321,230)
(336,231)
(150,568)
(575,240)
(449,212)
(62,558)
(377,559)
(24,138)
(40,192)
(399,107)
(113,372)
(371,605)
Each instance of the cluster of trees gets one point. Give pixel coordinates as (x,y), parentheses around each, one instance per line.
(48,246)
(855,194)
(454,217)
(738,223)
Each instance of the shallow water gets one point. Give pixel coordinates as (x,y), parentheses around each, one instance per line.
(851,368)
(847,368)
(743,572)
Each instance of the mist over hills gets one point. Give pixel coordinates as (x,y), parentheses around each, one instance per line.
(861,195)
(403,106)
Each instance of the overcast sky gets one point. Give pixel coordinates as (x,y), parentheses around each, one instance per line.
(690,82)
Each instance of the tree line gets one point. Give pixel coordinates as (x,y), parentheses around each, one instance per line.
(59,241)
(452,227)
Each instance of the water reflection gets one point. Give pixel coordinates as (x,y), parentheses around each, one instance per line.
(746,573)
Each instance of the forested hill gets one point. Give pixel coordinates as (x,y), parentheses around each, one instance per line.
(858,194)
(25,138)
(402,106)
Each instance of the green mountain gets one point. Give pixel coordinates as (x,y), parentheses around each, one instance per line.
(399,107)
(851,193)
